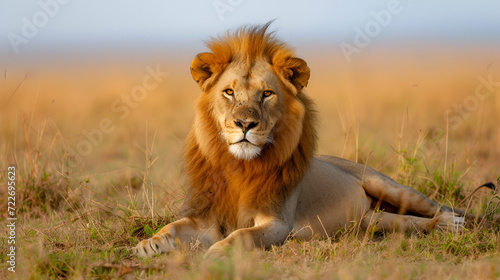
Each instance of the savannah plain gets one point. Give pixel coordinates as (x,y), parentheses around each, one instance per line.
(98,165)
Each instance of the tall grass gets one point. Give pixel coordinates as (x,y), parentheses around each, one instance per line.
(79,216)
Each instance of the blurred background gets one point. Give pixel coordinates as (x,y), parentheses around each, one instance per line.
(96,100)
(69,30)
(394,81)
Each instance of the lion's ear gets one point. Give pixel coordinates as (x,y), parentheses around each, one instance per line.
(202,68)
(295,71)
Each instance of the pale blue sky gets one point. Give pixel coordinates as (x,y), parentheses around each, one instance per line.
(135,25)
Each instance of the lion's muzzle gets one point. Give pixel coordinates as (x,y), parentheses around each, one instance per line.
(245,125)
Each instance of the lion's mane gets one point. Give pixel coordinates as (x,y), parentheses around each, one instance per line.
(224,189)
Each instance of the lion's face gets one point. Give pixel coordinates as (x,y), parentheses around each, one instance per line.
(247,106)
(253,102)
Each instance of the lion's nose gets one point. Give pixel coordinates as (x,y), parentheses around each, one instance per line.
(245,125)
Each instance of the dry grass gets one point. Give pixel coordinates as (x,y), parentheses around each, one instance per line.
(78,215)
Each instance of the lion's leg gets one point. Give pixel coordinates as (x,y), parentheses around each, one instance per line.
(383,188)
(403,197)
(384,221)
(268,231)
(183,231)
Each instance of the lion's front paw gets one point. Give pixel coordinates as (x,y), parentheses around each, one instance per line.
(155,245)
(218,251)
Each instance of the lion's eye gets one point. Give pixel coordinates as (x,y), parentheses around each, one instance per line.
(229,91)
(267,93)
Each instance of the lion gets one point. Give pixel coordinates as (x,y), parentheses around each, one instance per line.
(250,163)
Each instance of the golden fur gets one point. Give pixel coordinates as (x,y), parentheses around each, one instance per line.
(251,174)
(267,179)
